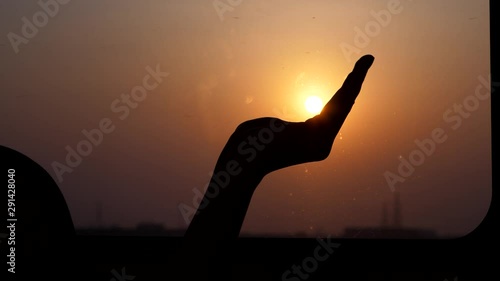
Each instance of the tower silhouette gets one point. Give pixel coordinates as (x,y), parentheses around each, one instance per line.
(98,214)
(385,218)
(397,210)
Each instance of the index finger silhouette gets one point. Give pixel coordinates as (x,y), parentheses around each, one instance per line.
(344,98)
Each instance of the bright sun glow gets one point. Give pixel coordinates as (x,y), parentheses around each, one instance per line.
(314,104)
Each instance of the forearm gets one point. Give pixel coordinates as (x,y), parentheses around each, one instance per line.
(222,211)
(209,239)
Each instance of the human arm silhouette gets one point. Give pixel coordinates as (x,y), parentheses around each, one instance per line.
(256,148)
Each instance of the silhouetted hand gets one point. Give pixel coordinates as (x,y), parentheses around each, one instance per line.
(256,148)
(261,146)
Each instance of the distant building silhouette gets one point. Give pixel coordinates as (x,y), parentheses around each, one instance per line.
(396,230)
(141,229)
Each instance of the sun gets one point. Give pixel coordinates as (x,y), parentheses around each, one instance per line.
(313,104)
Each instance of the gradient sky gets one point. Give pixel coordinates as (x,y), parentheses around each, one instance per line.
(263,58)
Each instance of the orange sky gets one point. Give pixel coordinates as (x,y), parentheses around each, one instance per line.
(258,58)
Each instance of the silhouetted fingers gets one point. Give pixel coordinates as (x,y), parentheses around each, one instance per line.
(344,98)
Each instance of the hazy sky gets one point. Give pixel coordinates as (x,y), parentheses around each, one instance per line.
(228,64)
